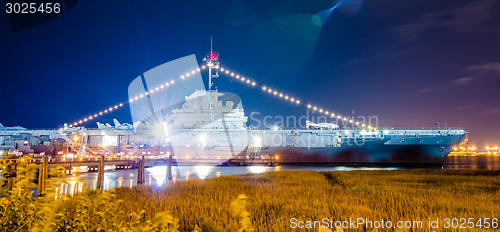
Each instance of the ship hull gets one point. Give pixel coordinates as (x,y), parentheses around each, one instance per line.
(397,151)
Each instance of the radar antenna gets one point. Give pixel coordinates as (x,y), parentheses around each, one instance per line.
(212,61)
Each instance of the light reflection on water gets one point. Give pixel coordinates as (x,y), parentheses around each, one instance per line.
(157,175)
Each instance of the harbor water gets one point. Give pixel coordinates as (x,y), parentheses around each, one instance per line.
(156,175)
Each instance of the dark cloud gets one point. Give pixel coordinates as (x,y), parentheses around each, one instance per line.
(472,17)
(425,90)
(493,67)
(491,111)
(395,53)
(469,107)
(463,80)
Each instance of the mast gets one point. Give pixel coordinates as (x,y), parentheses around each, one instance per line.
(212,63)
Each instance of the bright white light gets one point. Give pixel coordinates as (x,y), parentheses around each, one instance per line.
(202,171)
(109,141)
(259,169)
(203,139)
(257,142)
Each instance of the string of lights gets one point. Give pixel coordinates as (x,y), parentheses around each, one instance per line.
(287,97)
(241,78)
(151,91)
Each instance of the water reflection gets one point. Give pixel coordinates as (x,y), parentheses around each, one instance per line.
(156,176)
(259,169)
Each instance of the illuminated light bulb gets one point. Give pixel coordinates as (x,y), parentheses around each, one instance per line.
(363,125)
(292,99)
(90,117)
(203,67)
(157,89)
(110,109)
(333,115)
(192,72)
(315,108)
(339,117)
(248,81)
(345,119)
(270,90)
(275,93)
(167,84)
(198,69)
(232,74)
(116,107)
(136,98)
(95,115)
(147,93)
(80,121)
(264,88)
(281,95)
(326,112)
(357,123)
(85,120)
(131,100)
(351,121)
(105,111)
(298,102)
(286,97)
(182,77)
(309,106)
(227,71)
(222,69)
(69,126)
(162,86)
(121,104)
(321,110)
(242,79)
(187,74)
(152,91)
(100,113)
(172,82)
(237,76)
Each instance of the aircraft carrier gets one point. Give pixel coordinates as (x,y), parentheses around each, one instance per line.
(196,125)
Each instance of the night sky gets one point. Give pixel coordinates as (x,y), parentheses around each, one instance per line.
(411,63)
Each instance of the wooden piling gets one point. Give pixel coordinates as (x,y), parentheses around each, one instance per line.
(169,167)
(100,173)
(140,172)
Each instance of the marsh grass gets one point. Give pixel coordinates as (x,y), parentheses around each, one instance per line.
(268,203)
(274,198)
